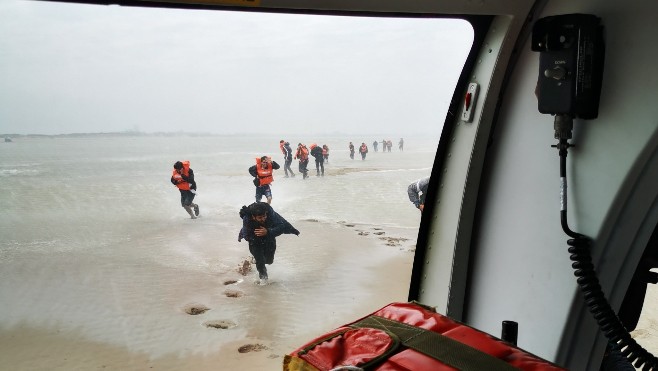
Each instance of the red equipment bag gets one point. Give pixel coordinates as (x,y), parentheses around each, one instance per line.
(410,337)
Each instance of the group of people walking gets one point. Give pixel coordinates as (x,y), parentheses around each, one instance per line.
(263,170)
(387,145)
(260,223)
(302,153)
(363,148)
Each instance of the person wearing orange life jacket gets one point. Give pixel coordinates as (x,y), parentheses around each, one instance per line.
(363,150)
(316,152)
(183,178)
(263,173)
(302,155)
(325,153)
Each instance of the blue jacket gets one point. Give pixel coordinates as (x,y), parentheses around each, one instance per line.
(276,225)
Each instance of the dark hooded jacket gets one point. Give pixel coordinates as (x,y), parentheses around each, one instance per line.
(317,153)
(287,155)
(276,225)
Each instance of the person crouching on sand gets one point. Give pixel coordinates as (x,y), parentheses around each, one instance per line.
(417,191)
(260,227)
(183,178)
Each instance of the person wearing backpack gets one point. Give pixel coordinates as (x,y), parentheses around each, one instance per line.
(316,151)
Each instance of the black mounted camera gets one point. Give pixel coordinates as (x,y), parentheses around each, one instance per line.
(570,64)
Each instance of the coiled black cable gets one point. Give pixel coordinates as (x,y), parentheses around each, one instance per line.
(605,316)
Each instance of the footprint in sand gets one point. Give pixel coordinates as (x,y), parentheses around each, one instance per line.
(378,233)
(196,309)
(393,241)
(257,282)
(362,233)
(230,282)
(252,348)
(220,324)
(233,293)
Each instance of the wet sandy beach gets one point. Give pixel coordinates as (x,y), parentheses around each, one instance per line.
(215,318)
(210,315)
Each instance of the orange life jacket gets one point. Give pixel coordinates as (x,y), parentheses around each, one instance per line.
(264,175)
(302,153)
(325,150)
(178,178)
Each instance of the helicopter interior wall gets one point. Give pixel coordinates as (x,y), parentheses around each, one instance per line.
(520,267)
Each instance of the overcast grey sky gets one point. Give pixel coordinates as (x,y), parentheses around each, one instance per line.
(70,68)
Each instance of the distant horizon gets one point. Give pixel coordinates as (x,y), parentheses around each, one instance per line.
(75,69)
(191,133)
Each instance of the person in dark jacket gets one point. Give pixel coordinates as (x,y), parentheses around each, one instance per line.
(316,151)
(263,173)
(260,227)
(287,156)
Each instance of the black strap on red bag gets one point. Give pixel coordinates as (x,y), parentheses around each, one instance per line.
(435,345)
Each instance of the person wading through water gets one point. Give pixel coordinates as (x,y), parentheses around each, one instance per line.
(183,179)
(263,173)
(287,157)
(316,152)
(302,155)
(261,225)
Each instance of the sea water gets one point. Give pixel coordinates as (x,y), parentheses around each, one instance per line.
(92,230)
(63,193)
